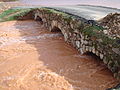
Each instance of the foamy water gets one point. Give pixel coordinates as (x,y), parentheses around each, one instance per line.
(5,41)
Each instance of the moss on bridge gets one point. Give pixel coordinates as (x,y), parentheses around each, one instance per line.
(12,14)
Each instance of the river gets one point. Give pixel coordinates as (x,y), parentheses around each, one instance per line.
(32,58)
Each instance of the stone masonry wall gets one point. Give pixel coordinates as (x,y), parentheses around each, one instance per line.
(84,35)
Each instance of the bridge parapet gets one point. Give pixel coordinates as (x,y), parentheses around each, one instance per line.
(84,36)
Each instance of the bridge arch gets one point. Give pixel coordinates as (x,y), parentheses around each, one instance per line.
(92,54)
(38,18)
(55,29)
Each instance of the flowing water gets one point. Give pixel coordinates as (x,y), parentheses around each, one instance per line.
(32,58)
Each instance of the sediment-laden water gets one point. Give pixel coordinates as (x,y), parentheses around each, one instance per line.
(32,58)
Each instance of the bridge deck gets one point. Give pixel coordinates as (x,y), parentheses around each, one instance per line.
(87,11)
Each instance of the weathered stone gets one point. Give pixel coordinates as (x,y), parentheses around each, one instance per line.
(101,56)
(100,40)
(116,50)
(90,49)
(105,31)
(110,64)
(93,50)
(87,48)
(84,48)
(65,36)
(85,42)
(82,41)
(78,37)
(54,23)
(78,44)
(97,53)
(105,60)
(81,50)
(112,24)
(76,31)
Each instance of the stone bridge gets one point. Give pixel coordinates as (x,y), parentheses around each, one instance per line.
(87,36)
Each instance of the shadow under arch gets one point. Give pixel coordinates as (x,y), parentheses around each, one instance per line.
(55,29)
(39,19)
(91,54)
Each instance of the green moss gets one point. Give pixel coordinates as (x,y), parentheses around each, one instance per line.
(48,10)
(11,14)
(98,27)
(93,28)
(64,15)
(9,11)
(95,31)
(95,45)
(106,39)
(90,31)
(67,18)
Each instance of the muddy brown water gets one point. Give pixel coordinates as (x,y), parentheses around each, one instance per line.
(32,58)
